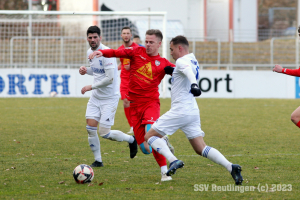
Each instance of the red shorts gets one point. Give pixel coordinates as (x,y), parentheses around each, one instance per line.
(143,113)
(124,88)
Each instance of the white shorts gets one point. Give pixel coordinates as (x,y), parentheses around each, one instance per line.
(167,124)
(103,111)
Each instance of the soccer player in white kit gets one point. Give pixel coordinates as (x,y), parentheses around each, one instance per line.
(184,113)
(103,102)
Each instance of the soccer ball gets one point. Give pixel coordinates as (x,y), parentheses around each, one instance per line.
(53,94)
(83,174)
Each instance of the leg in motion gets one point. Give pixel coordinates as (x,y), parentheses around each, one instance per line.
(155,140)
(295,117)
(214,155)
(119,136)
(126,105)
(94,142)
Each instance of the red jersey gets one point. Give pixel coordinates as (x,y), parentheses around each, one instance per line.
(292,72)
(124,72)
(146,72)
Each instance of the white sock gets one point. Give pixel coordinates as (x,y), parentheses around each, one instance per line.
(161,147)
(215,156)
(94,142)
(119,136)
(164,169)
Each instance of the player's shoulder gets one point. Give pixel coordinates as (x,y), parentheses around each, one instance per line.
(187,59)
(183,62)
(138,50)
(89,51)
(102,46)
(121,47)
(134,44)
(165,61)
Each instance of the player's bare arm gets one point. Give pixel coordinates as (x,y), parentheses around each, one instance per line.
(95,53)
(86,88)
(277,69)
(127,67)
(82,70)
(126,103)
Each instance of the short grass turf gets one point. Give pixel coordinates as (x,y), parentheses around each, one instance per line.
(43,139)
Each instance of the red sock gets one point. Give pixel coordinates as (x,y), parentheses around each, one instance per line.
(127,114)
(298,124)
(160,159)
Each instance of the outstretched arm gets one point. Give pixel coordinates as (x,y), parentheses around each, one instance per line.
(109,53)
(292,72)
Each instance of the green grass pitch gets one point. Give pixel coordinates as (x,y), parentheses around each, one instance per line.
(43,139)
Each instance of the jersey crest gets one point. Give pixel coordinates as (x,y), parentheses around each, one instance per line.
(157,63)
(146,70)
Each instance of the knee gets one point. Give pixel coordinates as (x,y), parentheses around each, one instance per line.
(103,131)
(92,131)
(146,137)
(294,118)
(144,150)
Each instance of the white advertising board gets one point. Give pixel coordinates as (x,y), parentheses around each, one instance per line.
(36,82)
(246,84)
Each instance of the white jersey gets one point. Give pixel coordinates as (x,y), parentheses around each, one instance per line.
(98,66)
(183,101)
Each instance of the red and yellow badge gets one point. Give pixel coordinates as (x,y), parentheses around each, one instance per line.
(126,61)
(146,70)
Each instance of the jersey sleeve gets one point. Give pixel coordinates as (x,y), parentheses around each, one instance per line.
(119,53)
(168,63)
(109,63)
(292,72)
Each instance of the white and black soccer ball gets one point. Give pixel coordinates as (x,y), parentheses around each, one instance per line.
(83,174)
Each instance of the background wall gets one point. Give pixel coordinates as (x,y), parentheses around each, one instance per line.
(198,18)
(245,20)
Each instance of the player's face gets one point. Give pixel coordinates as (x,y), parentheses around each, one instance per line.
(126,35)
(174,51)
(152,44)
(136,40)
(94,40)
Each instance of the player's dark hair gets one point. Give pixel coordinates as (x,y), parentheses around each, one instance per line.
(136,36)
(93,29)
(155,32)
(180,39)
(126,27)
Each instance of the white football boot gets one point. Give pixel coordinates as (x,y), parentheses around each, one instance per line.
(164,177)
(130,131)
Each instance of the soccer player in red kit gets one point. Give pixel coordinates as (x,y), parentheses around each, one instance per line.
(295,117)
(125,71)
(146,73)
